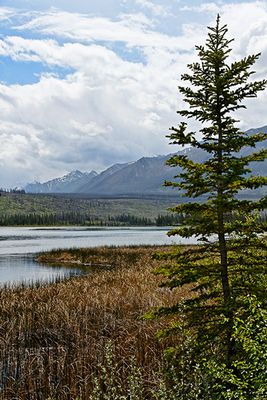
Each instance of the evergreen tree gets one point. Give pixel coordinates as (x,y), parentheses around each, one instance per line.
(231,263)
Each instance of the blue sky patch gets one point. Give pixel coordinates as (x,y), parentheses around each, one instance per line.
(25,73)
(133,54)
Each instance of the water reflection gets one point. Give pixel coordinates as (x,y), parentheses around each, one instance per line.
(16,269)
(33,240)
(18,244)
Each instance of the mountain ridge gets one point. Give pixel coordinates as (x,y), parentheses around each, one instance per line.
(144,176)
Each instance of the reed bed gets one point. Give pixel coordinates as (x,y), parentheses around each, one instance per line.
(56,340)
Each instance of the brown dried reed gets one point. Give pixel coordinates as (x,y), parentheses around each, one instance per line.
(53,337)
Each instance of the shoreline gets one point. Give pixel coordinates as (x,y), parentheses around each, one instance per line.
(88,256)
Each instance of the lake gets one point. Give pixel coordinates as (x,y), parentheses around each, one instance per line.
(19,246)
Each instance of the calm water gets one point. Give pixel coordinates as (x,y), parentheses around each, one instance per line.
(18,247)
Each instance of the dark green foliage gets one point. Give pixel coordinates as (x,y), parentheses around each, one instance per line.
(247,378)
(72,218)
(169,219)
(231,261)
(17,209)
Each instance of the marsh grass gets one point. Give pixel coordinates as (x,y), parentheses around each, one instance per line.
(54,338)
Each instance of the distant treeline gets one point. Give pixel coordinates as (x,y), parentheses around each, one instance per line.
(261,217)
(17,191)
(76,218)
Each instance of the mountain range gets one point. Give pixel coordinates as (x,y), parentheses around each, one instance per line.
(142,177)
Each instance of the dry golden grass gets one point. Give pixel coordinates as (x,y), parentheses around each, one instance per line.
(52,338)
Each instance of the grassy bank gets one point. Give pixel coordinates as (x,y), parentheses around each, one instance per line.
(74,339)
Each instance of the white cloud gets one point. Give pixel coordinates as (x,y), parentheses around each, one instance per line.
(203,8)
(91,128)
(132,29)
(6,13)
(107,109)
(156,9)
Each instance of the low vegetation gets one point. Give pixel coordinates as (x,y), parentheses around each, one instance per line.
(85,336)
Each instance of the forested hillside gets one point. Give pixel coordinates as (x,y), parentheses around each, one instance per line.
(34,209)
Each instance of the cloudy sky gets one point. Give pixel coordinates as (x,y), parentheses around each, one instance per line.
(86,84)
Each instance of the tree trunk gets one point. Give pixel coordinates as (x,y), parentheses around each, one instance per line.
(221,236)
(226,287)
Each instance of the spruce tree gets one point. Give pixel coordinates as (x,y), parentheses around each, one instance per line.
(230,262)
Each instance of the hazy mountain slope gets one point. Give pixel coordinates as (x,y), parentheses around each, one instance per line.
(99,179)
(145,176)
(258,168)
(69,183)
